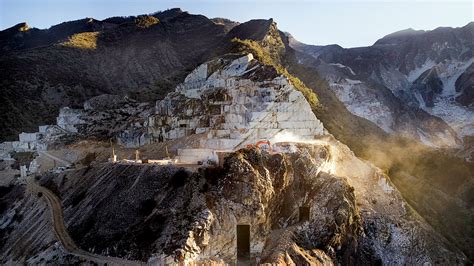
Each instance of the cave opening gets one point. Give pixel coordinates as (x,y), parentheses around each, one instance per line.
(243,242)
(304,213)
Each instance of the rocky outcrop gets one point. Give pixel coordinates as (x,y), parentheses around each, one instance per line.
(316,204)
(270,203)
(428,85)
(465,87)
(105,102)
(194,216)
(228,24)
(233,103)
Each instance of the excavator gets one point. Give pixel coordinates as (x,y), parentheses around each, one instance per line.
(262,144)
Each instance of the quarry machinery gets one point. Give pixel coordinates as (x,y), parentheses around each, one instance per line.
(262,144)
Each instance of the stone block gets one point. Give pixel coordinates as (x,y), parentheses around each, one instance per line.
(287,116)
(198,74)
(193,156)
(19,146)
(295,95)
(28,137)
(23,170)
(268,133)
(7,146)
(193,152)
(236,134)
(222,133)
(231,125)
(296,124)
(42,129)
(201,130)
(263,124)
(233,118)
(5,155)
(257,116)
(220,144)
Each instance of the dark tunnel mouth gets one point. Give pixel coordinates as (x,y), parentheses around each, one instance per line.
(243,242)
(304,213)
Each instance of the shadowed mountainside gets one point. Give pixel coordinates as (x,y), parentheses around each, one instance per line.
(143,58)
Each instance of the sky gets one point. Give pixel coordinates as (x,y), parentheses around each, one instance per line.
(347,23)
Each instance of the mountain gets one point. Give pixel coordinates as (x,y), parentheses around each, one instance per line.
(363,80)
(310,201)
(43,70)
(414,71)
(391,195)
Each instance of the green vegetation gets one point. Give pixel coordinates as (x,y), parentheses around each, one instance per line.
(268,54)
(22,158)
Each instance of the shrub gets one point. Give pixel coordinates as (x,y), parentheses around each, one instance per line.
(84,40)
(146,21)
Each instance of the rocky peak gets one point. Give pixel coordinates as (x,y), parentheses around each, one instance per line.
(169,14)
(428,85)
(14,32)
(233,101)
(398,36)
(255,29)
(228,24)
(22,26)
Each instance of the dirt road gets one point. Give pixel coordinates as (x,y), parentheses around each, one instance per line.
(62,234)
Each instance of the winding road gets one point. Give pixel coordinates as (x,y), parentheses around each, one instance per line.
(61,233)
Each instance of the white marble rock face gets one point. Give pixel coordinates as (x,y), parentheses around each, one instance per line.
(234,107)
(68,119)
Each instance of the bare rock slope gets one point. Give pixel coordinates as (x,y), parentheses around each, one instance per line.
(167,214)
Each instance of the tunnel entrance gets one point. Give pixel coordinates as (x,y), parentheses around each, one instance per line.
(304,214)
(243,243)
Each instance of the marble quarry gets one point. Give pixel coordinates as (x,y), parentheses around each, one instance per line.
(46,136)
(230,104)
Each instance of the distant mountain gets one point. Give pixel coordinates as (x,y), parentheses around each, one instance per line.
(402,78)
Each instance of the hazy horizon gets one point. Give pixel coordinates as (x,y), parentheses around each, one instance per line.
(346,23)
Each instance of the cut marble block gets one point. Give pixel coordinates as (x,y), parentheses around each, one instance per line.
(193,156)
(27,137)
(220,144)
